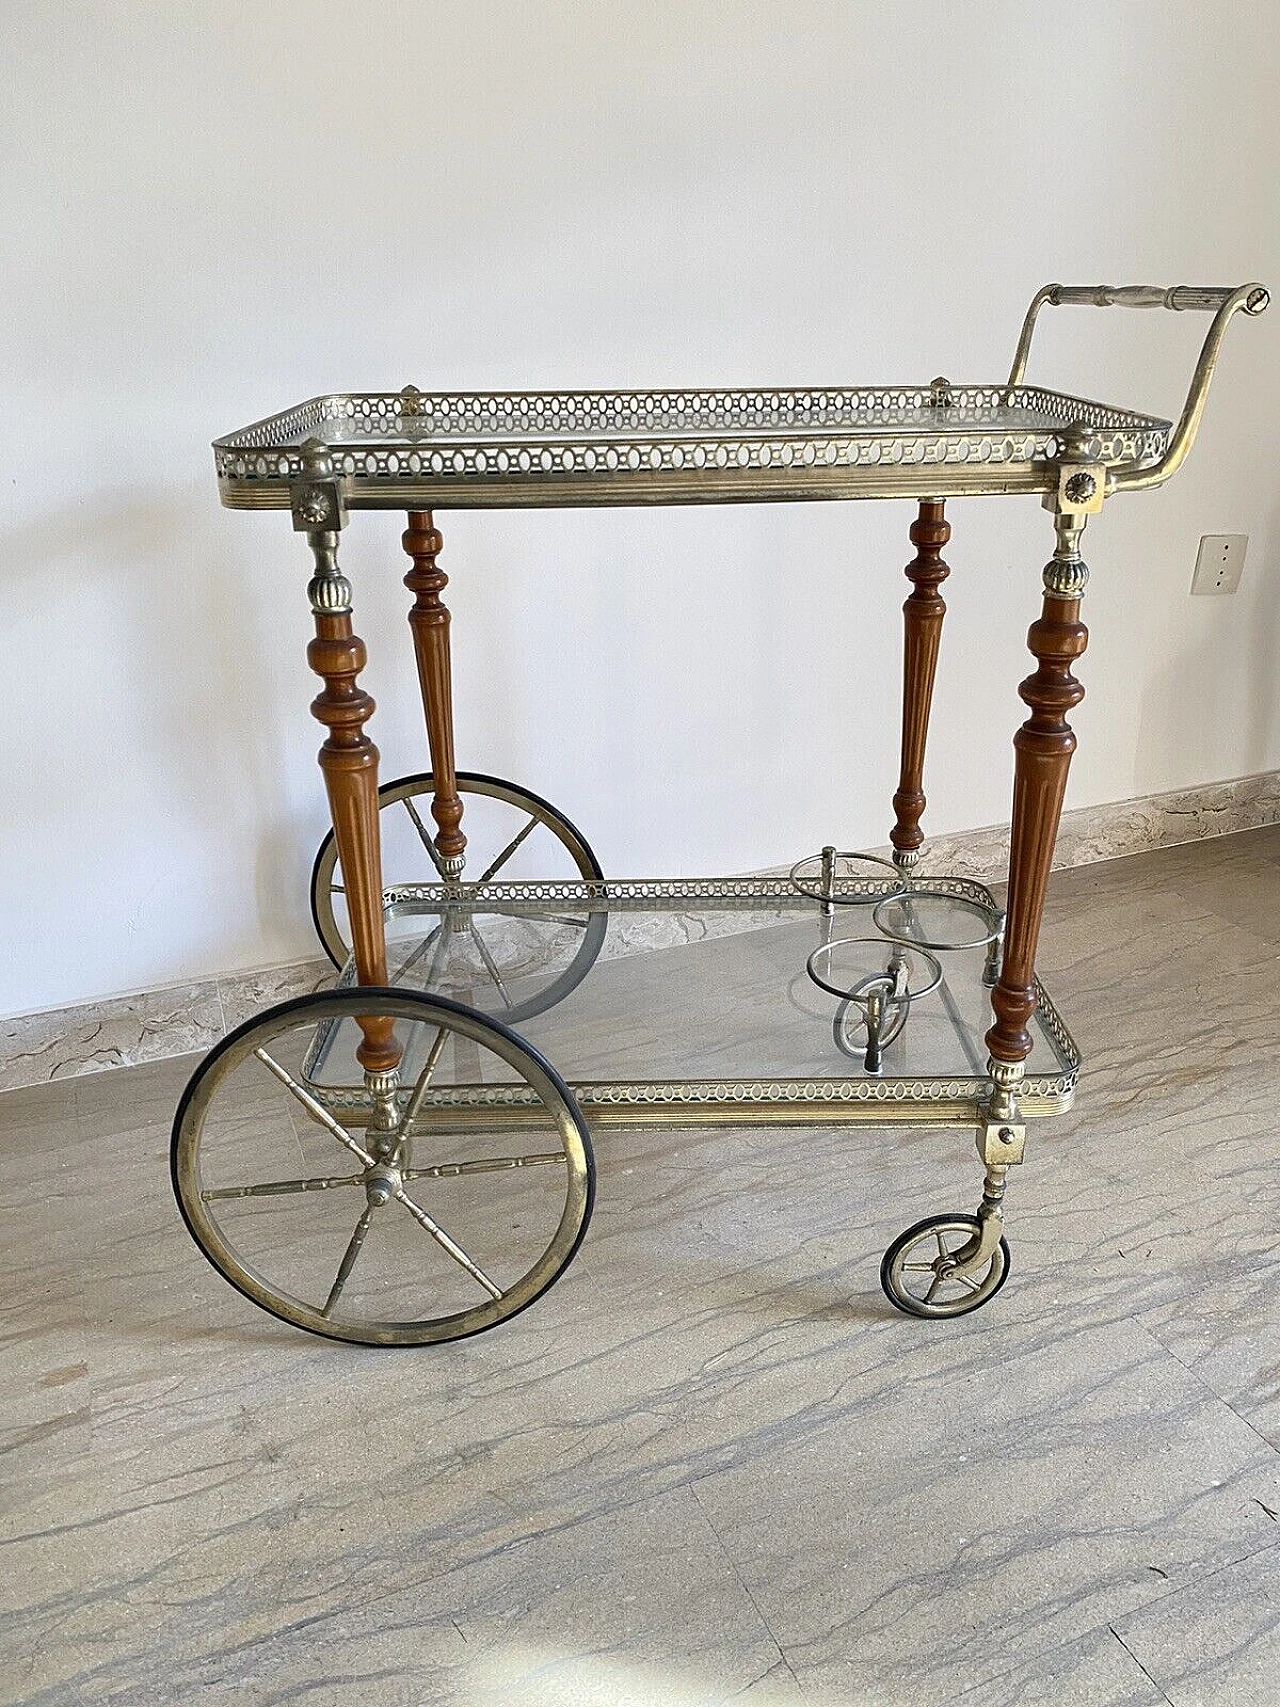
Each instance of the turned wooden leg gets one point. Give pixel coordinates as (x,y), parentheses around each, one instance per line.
(349,761)
(922,617)
(1043,749)
(429,620)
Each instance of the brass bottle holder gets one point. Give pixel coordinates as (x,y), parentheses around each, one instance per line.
(908,926)
(881,1001)
(879,1004)
(840,879)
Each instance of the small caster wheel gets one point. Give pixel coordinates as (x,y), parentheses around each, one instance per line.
(510,967)
(917,1271)
(429,1211)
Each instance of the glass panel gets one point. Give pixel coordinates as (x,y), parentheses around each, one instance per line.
(903,422)
(669,992)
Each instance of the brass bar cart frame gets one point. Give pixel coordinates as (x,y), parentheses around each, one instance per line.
(422,452)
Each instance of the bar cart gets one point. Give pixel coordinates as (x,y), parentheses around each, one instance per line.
(408,1157)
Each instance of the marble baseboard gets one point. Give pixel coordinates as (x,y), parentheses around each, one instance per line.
(182,1019)
(128,1030)
(1093,833)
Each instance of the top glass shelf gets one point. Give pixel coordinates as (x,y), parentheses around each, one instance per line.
(466,450)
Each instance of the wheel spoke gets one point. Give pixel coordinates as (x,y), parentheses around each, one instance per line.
(510,848)
(942,1247)
(918,1268)
(556,919)
(348,1261)
(424,1083)
(486,1165)
(424,834)
(280,1187)
(969,1281)
(438,958)
(447,1244)
(418,952)
(489,966)
(932,1293)
(315,1109)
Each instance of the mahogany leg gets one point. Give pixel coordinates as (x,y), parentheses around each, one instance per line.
(429,620)
(922,631)
(349,761)
(1043,748)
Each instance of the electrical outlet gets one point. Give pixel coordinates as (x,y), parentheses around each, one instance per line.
(1219,562)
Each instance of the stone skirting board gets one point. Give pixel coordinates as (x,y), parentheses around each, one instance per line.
(1094,833)
(181,1019)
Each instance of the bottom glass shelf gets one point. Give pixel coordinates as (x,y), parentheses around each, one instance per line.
(690,1001)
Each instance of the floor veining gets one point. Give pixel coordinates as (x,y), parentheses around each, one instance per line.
(711,1464)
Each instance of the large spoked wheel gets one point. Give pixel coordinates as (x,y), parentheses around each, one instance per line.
(511,967)
(918,1272)
(439,1214)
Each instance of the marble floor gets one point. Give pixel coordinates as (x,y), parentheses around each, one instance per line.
(712,1464)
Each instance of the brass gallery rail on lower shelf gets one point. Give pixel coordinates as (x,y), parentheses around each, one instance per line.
(940,1100)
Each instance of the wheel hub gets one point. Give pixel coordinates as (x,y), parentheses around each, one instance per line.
(381,1184)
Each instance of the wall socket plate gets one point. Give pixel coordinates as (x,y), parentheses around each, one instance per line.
(1219,563)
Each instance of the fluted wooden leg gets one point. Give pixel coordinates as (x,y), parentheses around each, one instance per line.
(429,620)
(349,761)
(1043,748)
(922,631)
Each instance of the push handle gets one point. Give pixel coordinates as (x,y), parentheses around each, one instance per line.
(1222,301)
(1207,298)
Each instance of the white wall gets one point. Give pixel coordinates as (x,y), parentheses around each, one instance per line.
(214,211)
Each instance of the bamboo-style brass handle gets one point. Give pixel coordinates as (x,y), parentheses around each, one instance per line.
(1208,298)
(1221,300)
